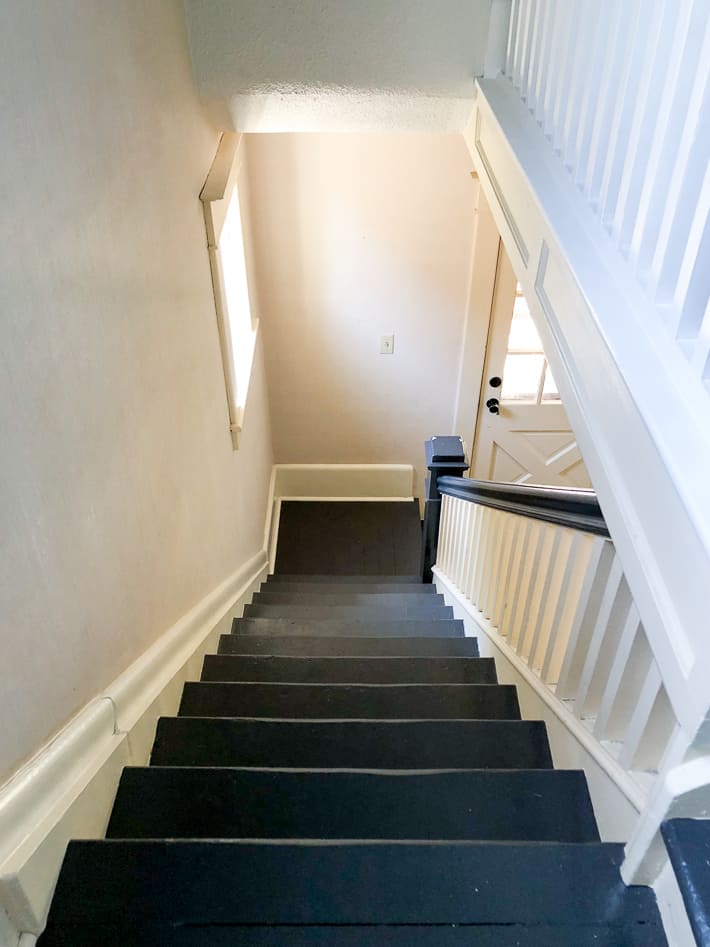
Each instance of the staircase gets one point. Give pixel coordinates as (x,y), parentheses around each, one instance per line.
(349,771)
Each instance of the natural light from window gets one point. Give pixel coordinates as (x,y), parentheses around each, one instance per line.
(527,377)
(238,315)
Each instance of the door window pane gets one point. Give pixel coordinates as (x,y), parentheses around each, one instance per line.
(523,335)
(549,388)
(522,375)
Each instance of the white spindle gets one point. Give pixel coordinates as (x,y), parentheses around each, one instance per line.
(494,563)
(514,593)
(552,598)
(545,564)
(442,550)
(511,528)
(619,666)
(482,555)
(603,639)
(513,57)
(569,595)
(585,618)
(650,690)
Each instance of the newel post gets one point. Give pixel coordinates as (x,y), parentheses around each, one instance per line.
(444,456)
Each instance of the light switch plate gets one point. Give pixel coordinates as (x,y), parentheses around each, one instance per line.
(386,344)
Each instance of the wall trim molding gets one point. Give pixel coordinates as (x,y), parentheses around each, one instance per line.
(67,788)
(337,481)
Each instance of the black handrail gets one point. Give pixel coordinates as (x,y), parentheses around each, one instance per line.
(575,508)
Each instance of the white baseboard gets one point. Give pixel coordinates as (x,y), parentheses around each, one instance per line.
(67,790)
(617,799)
(338,481)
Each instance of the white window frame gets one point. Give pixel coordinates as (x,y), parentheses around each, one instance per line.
(221,189)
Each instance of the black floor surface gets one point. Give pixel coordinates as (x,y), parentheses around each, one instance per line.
(349,538)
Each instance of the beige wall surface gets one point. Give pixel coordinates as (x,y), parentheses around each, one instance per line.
(122,503)
(358,236)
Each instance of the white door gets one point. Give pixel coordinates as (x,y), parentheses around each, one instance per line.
(522,433)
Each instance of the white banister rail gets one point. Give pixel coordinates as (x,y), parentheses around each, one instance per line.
(621,90)
(558,599)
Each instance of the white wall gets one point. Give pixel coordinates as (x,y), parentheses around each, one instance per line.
(121,501)
(357,236)
(338,65)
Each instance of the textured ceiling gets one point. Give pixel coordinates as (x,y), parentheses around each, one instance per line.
(338,65)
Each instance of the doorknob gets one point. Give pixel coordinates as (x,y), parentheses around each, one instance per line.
(492,405)
(495,382)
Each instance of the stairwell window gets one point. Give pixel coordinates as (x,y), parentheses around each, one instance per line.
(224,222)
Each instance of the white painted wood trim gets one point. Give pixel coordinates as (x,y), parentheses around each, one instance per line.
(340,481)
(632,792)
(67,789)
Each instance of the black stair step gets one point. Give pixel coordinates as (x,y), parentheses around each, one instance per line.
(278,578)
(522,805)
(230,667)
(279,596)
(364,645)
(352,744)
(104,884)
(361,935)
(352,612)
(362,588)
(350,701)
(688,844)
(352,627)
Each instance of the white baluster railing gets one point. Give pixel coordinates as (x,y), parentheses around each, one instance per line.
(621,89)
(557,598)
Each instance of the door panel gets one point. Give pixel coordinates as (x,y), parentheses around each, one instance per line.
(526,437)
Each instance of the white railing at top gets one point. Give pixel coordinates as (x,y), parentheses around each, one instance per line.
(621,89)
(558,598)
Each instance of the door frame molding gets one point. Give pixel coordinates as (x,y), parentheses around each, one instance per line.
(479,306)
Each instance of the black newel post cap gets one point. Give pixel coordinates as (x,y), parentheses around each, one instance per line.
(444,456)
(444,449)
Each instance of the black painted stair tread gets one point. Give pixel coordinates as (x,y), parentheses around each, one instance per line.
(363,645)
(278,578)
(360,588)
(352,744)
(339,670)
(350,627)
(350,701)
(361,935)
(278,596)
(688,844)
(359,612)
(540,805)
(349,538)
(226,882)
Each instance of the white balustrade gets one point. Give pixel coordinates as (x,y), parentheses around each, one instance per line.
(558,598)
(621,89)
